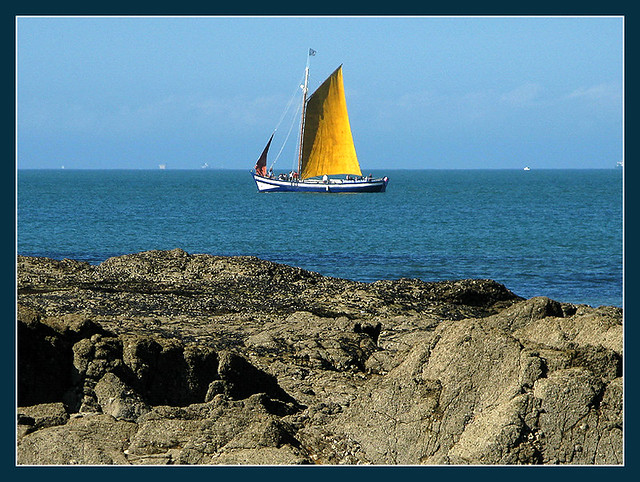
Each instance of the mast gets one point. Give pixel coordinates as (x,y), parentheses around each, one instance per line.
(304,103)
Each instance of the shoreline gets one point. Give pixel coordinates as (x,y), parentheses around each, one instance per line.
(96,261)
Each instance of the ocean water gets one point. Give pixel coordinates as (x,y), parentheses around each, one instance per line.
(555,233)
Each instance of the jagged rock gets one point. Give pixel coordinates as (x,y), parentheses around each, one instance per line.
(526,312)
(90,440)
(45,354)
(587,327)
(239,379)
(218,432)
(168,372)
(41,416)
(570,402)
(420,409)
(164,357)
(119,400)
(471,393)
(499,435)
(93,358)
(74,327)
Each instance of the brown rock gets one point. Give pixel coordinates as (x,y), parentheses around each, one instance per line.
(236,360)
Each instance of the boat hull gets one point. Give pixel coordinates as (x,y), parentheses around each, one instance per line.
(266,184)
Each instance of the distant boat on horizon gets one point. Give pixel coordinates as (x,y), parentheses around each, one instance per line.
(326,147)
(527,168)
(619,164)
(162,166)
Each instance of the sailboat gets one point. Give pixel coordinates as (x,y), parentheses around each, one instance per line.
(326,147)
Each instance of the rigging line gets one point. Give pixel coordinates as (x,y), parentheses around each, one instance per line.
(295,92)
(293,121)
(295,115)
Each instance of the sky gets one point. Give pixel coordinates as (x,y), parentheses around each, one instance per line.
(422,92)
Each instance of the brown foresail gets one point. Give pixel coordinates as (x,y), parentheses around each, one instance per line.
(261,164)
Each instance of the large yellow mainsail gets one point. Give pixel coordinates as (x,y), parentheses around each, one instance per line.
(327,145)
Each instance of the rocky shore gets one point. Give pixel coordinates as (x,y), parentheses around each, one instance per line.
(163,357)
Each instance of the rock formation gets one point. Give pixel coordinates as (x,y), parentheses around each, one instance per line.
(164,357)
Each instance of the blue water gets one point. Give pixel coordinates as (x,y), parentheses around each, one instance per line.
(555,233)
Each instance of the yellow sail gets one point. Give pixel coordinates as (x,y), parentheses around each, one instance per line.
(327,146)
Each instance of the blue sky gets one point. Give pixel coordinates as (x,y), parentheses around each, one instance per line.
(422,92)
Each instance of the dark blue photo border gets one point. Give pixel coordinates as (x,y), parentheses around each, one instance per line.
(15,8)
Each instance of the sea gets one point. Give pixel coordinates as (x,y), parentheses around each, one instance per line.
(555,233)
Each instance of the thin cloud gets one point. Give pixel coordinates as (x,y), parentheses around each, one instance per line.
(525,95)
(608,92)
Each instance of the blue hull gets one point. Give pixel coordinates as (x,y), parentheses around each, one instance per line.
(265,184)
